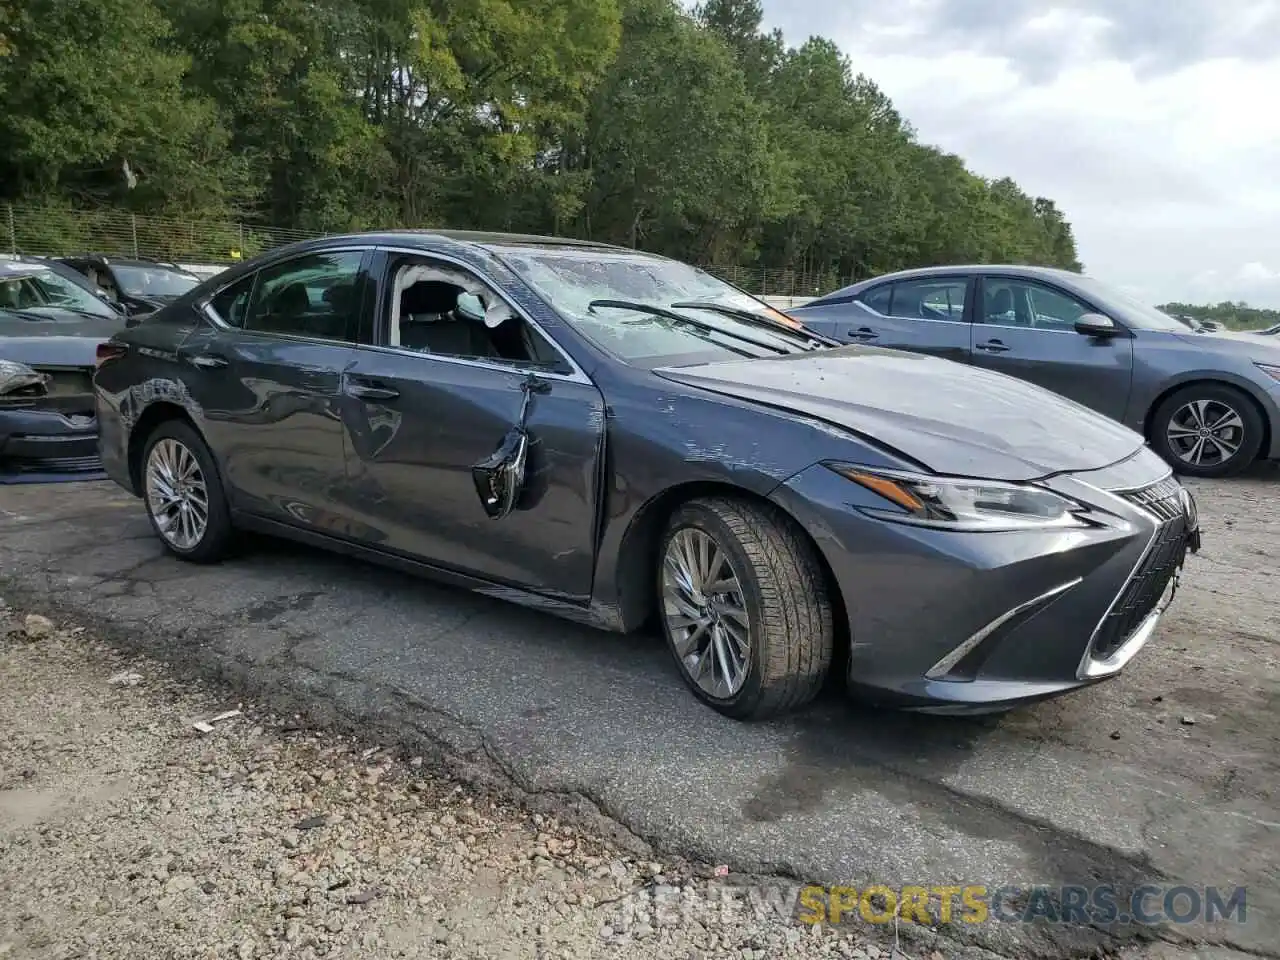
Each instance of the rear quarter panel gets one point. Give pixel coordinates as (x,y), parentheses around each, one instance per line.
(148,375)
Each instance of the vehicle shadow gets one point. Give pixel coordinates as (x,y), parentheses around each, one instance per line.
(834,732)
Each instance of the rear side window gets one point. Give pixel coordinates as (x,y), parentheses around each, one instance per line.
(879,298)
(313,296)
(232,303)
(931,299)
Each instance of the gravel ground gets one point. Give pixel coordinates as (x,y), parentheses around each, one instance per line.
(126,831)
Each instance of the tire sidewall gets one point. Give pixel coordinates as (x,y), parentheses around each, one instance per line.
(1249,447)
(701,518)
(217,529)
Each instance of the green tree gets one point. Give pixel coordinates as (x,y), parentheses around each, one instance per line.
(95,111)
(698,134)
(680,155)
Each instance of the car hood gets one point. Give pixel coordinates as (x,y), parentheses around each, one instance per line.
(55,343)
(951,418)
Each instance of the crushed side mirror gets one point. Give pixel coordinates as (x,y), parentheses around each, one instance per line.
(500,477)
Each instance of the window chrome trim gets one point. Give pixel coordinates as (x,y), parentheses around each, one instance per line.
(1015,326)
(576,374)
(205,304)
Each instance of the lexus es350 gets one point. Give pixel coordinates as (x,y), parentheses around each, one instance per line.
(1208,401)
(620,438)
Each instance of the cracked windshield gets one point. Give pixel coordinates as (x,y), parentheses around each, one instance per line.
(43,292)
(573,282)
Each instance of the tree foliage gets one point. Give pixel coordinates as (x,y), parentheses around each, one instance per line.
(698,135)
(1236,315)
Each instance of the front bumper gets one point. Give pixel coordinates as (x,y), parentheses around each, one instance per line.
(40,445)
(970,622)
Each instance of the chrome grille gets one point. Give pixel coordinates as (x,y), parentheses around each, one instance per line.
(1143,590)
(1162,499)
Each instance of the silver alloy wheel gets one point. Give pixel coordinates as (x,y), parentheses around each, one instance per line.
(705,613)
(1205,432)
(176,494)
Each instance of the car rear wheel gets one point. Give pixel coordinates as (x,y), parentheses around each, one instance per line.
(184,496)
(1207,430)
(745,607)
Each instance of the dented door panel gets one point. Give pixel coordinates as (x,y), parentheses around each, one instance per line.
(425,438)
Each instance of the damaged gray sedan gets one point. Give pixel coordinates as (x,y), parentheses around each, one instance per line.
(50,328)
(620,438)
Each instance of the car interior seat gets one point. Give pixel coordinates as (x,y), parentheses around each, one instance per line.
(286,309)
(1000,305)
(429,323)
(342,318)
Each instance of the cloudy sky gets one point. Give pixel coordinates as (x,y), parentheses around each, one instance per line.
(1153,123)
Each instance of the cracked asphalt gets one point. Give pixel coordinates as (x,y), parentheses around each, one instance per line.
(1167,774)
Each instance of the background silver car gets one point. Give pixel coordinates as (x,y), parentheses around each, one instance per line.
(1209,403)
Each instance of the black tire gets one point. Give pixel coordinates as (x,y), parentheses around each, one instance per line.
(1219,396)
(784,592)
(216,543)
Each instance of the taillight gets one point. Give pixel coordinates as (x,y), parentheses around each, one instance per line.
(109,351)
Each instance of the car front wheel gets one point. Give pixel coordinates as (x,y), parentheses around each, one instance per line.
(184,496)
(744,607)
(1207,430)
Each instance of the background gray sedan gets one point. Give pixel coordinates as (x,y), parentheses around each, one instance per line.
(1209,403)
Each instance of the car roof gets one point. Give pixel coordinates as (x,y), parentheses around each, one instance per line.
(431,239)
(1010,269)
(473,245)
(949,270)
(126,261)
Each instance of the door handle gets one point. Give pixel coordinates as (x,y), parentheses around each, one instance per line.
(863,333)
(364,391)
(992,346)
(207,361)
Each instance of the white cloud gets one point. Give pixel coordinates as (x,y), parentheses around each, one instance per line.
(1163,157)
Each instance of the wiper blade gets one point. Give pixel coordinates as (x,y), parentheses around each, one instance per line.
(687,321)
(816,341)
(24,314)
(83,312)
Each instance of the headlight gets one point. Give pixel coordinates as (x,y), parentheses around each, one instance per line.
(1270,369)
(17,380)
(960,504)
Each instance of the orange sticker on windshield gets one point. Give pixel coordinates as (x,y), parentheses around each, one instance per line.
(782,318)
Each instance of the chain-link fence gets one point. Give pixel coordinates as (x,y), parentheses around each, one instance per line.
(772,282)
(60,231)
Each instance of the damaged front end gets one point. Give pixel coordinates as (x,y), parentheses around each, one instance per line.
(500,477)
(48,427)
(19,383)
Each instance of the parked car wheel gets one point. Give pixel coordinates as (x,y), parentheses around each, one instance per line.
(745,608)
(1207,430)
(184,496)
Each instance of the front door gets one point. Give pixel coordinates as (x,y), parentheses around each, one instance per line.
(267,377)
(1027,329)
(434,396)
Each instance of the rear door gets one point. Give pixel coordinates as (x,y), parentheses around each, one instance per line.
(1026,328)
(431,399)
(924,315)
(267,373)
